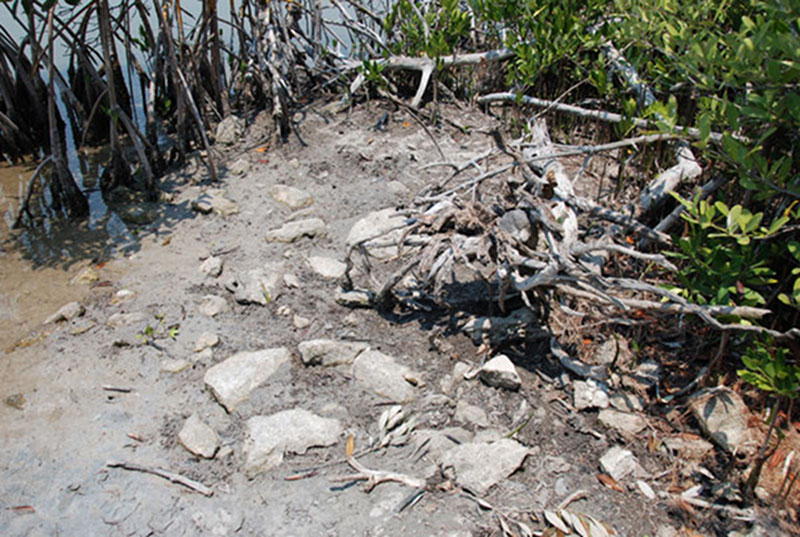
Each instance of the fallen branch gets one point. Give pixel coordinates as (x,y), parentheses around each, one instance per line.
(376,477)
(170,476)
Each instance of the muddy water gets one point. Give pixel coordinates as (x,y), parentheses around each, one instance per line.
(37,264)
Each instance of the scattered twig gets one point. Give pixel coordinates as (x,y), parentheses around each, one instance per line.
(376,477)
(170,476)
(117,389)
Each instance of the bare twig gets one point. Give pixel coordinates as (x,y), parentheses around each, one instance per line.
(170,476)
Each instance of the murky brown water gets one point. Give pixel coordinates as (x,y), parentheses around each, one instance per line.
(36,265)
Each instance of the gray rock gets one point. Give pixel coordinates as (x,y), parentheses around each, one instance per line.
(329,352)
(517,225)
(613,351)
(386,223)
(382,375)
(240,166)
(212,266)
(213,305)
(500,373)
(723,416)
(206,340)
(471,414)
(292,231)
(646,375)
(433,443)
(590,394)
(269,438)
(300,322)
(232,381)
(292,197)
(477,466)
(357,298)
(174,365)
(198,438)
(217,522)
(257,286)
(67,312)
(327,267)
(291,281)
(619,463)
(126,319)
(687,446)
(122,295)
(230,130)
(214,200)
(627,402)
(624,422)
(499,329)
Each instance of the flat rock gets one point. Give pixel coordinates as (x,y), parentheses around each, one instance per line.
(213,305)
(471,414)
(500,373)
(269,438)
(257,286)
(327,267)
(477,466)
(174,365)
(292,231)
(206,340)
(330,352)
(87,276)
(67,312)
(615,351)
(687,446)
(126,319)
(386,223)
(229,130)
(291,281)
(232,381)
(122,295)
(198,438)
(292,197)
(380,374)
(723,416)
(619,463)
(627,402)
(214,201)
(590,394)
(212,266)
(300,322)
(356,298)
(624,422)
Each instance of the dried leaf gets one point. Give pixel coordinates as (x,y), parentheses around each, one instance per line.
(524,530)
(351,446)
(646,489)
(556,521)
(504,527)
(610,482)
(261,149)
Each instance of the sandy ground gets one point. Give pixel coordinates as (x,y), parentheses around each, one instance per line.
(54,448)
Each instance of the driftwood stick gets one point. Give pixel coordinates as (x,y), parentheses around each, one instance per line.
(376,477)
(705,191)
(600,115)
(170,476)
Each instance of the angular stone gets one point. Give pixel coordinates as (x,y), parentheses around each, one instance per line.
(614,350)
(517,225)
(329,352)
(292,197)
(292,231)
(291,281)
(327,267)
(477,466)
(257,286)
(687,446)
(214,200)
(67,312)
(300,322)
(386,223)
(174,365)
(232,381)
(229,130)
(590,394)
(122,295)
(500,373)
(126,319)
(723,416)
(198,438)
(212,266)
(212,305)
(206,340)
(624,422)
(627,402)
(471,414)
(269,438)
(619,463)
(382,375)
(87,276)
(356,298)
